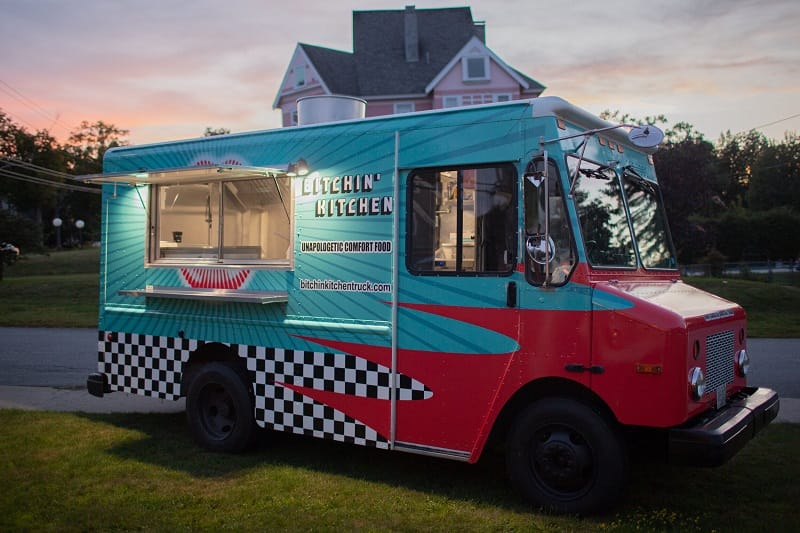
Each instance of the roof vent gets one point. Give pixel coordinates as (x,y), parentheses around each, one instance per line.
(329,108)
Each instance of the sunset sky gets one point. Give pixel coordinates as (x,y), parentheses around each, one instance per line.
(167,69)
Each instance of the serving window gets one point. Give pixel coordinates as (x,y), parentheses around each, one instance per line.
(237,221)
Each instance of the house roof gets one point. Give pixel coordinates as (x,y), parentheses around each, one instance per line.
(337,69)
(533,85)
(379,47)
(378,65)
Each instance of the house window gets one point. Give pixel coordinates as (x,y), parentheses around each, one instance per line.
(451,101)
(475,68)
(462,220)
(403,107)
(299,76)
(238,221)
(474,99)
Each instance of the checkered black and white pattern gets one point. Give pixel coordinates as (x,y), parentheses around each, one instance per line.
(152,366)
(144,364)
(286,410)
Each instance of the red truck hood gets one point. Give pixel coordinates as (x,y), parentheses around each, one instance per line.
(680,298)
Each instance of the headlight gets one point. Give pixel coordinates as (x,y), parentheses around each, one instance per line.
(742,363)
(697,383)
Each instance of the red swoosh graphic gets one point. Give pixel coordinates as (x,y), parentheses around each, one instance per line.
(451,418)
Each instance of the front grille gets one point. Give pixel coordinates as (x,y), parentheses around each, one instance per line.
(719,360)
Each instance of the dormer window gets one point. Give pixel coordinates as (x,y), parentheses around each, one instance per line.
(475,68)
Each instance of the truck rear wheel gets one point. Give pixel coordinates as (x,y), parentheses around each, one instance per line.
(219,408)
(566,458)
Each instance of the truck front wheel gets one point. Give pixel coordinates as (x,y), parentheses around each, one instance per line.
(566,458)
(219,408)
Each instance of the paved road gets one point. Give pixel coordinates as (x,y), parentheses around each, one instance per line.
(61,359)
(47,357)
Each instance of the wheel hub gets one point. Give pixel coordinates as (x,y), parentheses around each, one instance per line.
(218,414)
(562,462)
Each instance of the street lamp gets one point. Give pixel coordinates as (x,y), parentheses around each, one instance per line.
(57,224)
(79,224)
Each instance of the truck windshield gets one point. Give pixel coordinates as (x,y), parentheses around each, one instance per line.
(649,222)
(613,234)
(601,210)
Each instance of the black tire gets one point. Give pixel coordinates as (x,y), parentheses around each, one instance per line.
(219,408)
(564,457)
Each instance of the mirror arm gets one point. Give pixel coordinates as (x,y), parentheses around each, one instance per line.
(574,178)
(547,250)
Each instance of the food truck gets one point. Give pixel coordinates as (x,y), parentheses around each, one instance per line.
(438,283)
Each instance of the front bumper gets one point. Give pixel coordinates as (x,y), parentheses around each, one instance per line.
(713,438)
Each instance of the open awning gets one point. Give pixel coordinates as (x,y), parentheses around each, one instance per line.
(180,175)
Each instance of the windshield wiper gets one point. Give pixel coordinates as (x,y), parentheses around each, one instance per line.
(628,169)
(596,173)
(641,181)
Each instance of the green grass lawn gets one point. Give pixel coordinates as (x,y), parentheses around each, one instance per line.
(56,263)
(78,472)
(773,309)
(59,289)
(68,300)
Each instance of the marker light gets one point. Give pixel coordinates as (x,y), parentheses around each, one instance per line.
(742,363)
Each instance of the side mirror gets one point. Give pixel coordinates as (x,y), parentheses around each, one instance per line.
(540,251)
(645,136)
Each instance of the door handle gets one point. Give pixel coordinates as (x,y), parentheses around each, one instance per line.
(511,294)
(594,369)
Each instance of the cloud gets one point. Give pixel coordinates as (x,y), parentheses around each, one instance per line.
(150,65)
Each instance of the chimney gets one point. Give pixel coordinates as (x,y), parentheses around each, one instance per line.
(479,29)
(411,35)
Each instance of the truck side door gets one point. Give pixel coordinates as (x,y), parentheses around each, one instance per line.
(456,331)
(555,307)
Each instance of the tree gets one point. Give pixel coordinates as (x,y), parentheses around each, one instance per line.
(85,148)
(39,149)
(688,175)
(617,117)
(213,132)
(35,164)
(775,176)
(737,154)
(682,132)
(749,235)
(88,143)
(690,184)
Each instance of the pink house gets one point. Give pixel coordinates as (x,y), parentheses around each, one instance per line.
(403,61)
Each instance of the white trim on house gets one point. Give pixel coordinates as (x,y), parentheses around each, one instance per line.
(311,73)
(485,66)
(466,52)
(381,97)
